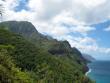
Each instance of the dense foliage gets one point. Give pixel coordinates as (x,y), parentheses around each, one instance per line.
(9,73)
(47,60)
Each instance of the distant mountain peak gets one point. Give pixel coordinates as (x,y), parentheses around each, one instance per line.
(88,57)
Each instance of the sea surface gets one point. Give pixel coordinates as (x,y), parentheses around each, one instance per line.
(99,71)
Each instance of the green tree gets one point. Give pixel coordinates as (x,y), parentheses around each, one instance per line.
(9,73)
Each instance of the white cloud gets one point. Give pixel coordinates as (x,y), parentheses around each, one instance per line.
(81,11)
(90,3)
(63,24)
(107,29)
(66,17)
(1,2)
(107,50)
(87,45)
(11,4)
(36,6)
(83,29)
(86,11)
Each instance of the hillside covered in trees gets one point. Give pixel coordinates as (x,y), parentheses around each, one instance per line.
(26,56)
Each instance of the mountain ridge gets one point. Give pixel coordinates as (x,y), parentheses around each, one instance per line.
(31,34)
(47,58)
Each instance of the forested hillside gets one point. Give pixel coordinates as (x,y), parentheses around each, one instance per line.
(26,56)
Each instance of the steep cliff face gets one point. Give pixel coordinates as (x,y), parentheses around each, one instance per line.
(49,59)
(28,31)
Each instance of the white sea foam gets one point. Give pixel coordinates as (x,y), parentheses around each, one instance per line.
(88,72)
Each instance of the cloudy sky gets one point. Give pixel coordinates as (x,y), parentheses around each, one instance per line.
(84,23)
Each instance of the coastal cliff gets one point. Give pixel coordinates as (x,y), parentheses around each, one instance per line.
(38,58)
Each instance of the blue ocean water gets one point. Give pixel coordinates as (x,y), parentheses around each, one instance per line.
(100,71)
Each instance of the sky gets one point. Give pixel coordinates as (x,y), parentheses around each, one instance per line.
(85,24)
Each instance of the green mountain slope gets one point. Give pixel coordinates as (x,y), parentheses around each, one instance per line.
(24,28)
(54,62)
(29,32)
(9,73)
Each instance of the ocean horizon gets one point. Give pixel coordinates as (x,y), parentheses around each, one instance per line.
(99,71)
